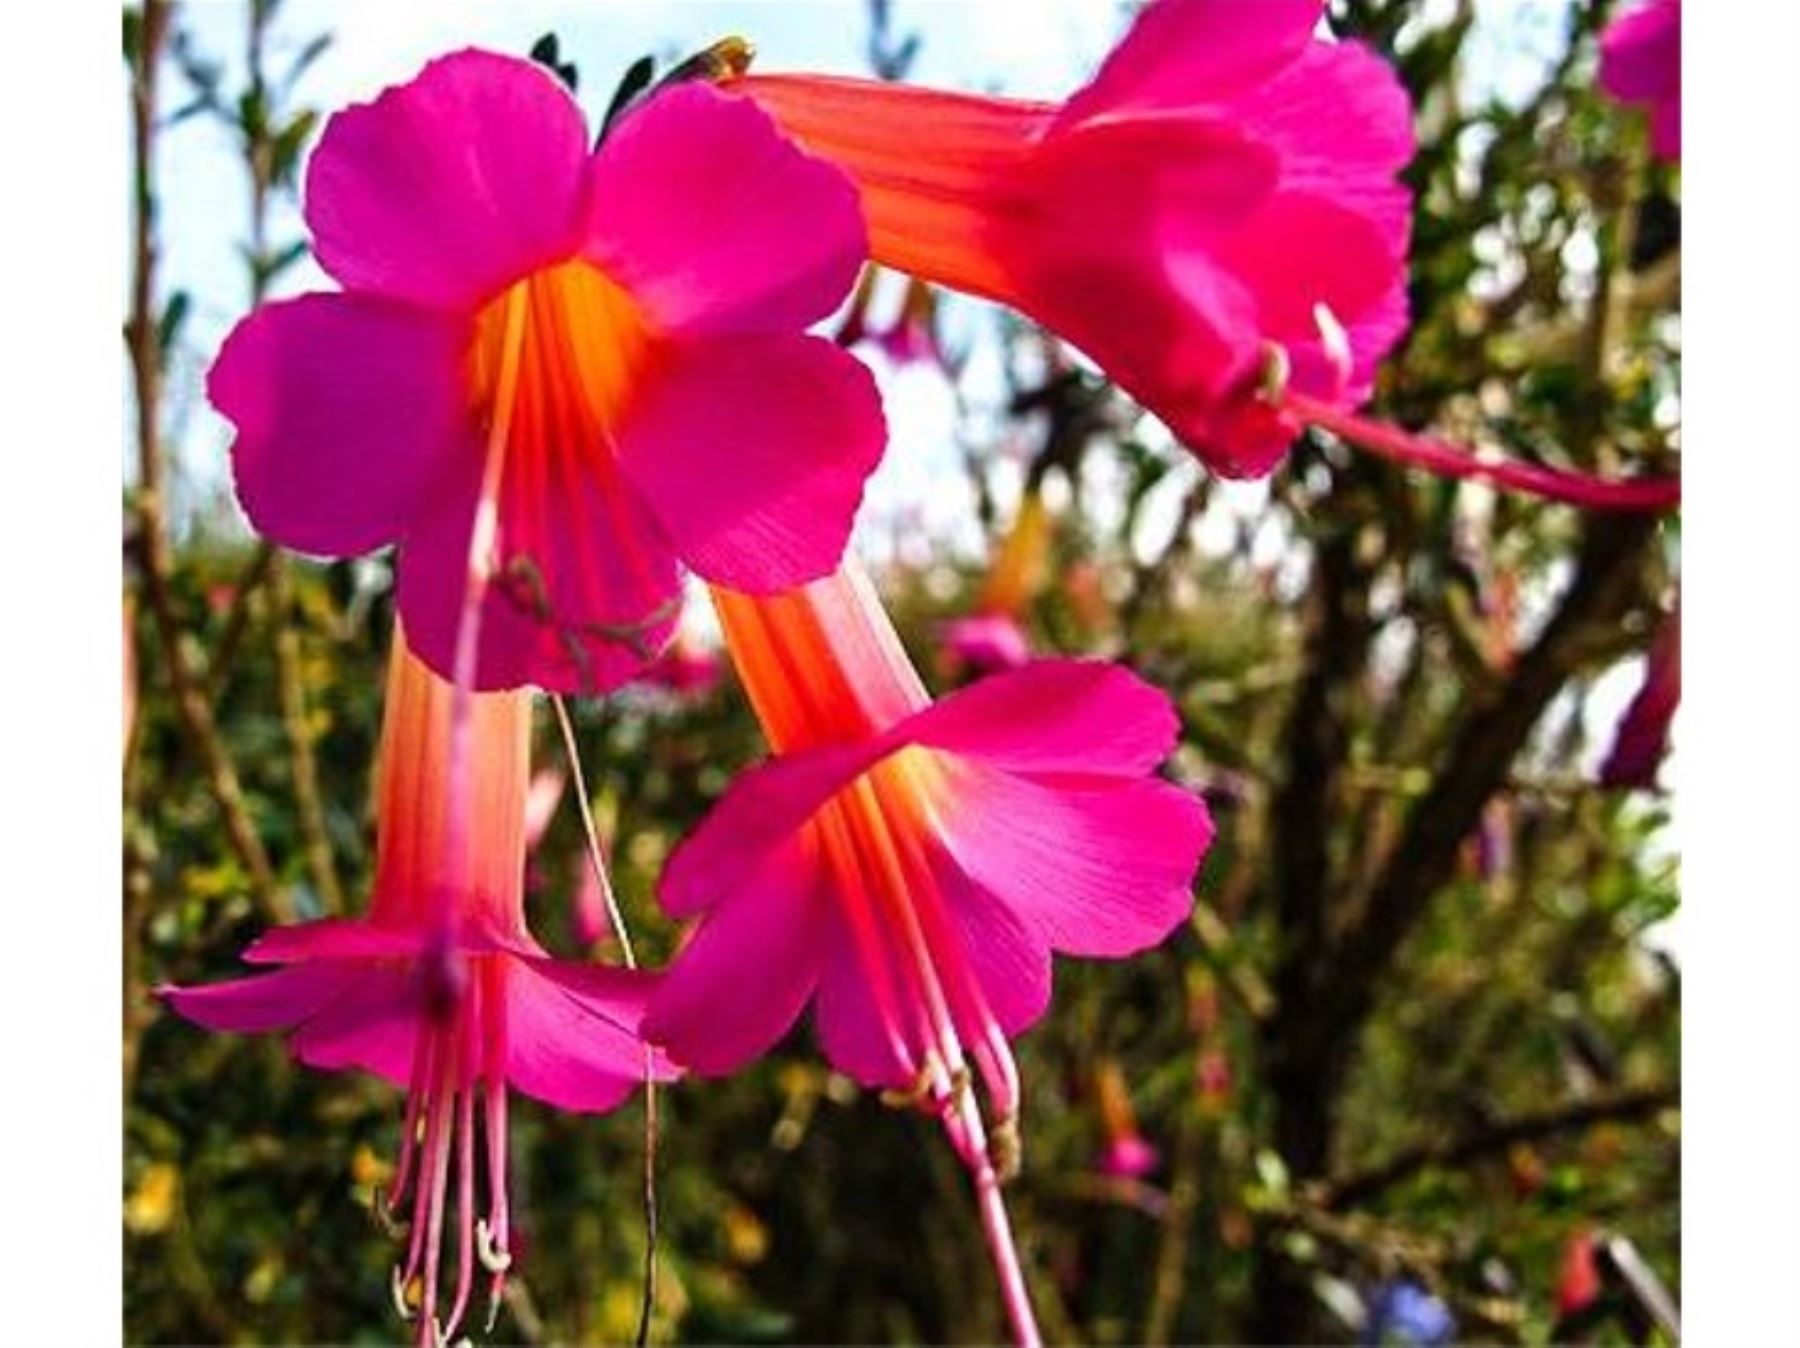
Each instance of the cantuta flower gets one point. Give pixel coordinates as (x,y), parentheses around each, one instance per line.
(1640,62)
(1222,178)
(442,990)
(909,866)
(993,638)
(1215,219)
(605,348)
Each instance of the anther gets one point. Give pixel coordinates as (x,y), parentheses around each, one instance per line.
(914,1095)
(391,1225)
(1277,370)
(1006,1148)
(493,1259)
(398,1287)
(960,1083)
(1336,343)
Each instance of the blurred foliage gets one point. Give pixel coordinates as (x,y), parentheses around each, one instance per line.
(1337,643)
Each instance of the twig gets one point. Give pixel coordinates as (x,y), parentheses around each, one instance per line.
(146,365)
(1624,1107)
(237,621)
(597,859)
(315,839)
(1170,1280)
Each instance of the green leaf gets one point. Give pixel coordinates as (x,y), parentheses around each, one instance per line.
(168,328)
(310,53)
(284,156)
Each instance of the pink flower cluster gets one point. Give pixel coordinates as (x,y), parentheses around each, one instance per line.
(557,375)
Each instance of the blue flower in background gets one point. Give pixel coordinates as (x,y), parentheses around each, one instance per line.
(1405,1313)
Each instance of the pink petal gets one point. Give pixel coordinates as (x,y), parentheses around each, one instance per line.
(716,222)
(753,453)
(1342,124)
(374,1026)
(573,1033)
(1086,716)
(572,533)
(263,1002)
(742,979)
(1665,129)
(1300,251)
(344,407)
(986,642)
(1179,50)
(845,1015)
(1640,53)
(1010,960)
(332,938)
(1095,867)
(447,188)
(760,812)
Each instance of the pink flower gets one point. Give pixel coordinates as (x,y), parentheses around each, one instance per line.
(908,867)
(1215,219)
(1643,735)
(1640,62)
(451,1011)
(1224,185)
(1126,1155)
(900,846)
(908,338)
(605,348)
(985,642)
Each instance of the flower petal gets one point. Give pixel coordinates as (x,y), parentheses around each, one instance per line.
(1179,51)
(586,590)
(716,222)
(1009,959)
(1300,251)
(1086,716)
(759,813)
(573,1033)
(332,938)
(263,1002)
(1096,867)
(845,1016)
(374,1026)
(1640,53)
(344,408)
(753,453)
(1342,124)
(447,188)
(739,983)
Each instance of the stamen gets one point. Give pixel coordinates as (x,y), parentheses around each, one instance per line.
(494,1258)
(1336,344)
(1006,1147)
(1276,371)
(399,1285)
(465,1205)
(391,1226)
(916,1094)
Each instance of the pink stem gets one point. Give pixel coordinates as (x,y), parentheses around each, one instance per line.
(483,532)
(1390,442)
(998,1230)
